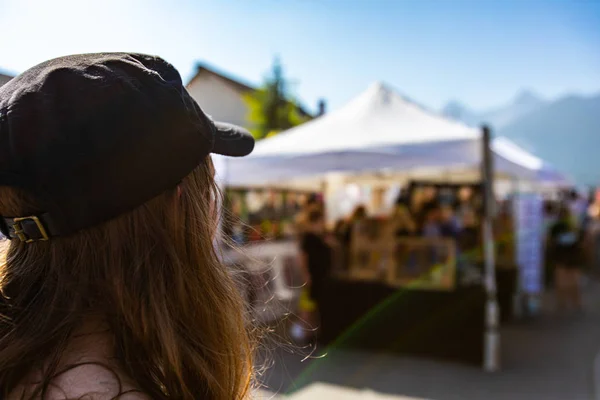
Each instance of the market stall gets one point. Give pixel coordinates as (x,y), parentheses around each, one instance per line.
(380,132)
(419,270)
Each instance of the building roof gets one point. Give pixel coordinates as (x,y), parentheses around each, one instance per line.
(236,83)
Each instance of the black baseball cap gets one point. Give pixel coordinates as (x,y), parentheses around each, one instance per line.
(93,136)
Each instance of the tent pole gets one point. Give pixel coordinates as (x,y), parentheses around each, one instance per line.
(492,336)
(326,203)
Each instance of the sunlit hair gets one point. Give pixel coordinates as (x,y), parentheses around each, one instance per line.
(153,275)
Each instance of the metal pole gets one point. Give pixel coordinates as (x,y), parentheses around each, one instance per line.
(325,197)
(492,321)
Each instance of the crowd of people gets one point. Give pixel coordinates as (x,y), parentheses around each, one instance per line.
(572,235)
(427,213)
(572,230)
(428,217)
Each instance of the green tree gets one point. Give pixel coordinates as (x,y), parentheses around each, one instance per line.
(271,109)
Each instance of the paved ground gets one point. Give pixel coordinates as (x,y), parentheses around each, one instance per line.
(549,358)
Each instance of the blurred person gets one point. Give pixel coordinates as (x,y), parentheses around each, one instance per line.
(402,218)
(403,198)
(111,286)
(428,203)
(578,207)
(343,233)
(469,247)
(549,214)
(431,227)
(416,200)
(449,225)
(564,252)
(430,196)
(469,236)
(271,208)
(291,204)
(312,203)
(504,234)
(469,219)
(340,233)
(447,197)
(316,257)
(402,221)
(359,214)
(339,228)
(549,219)
(465,206)
(593,239)
(356,218)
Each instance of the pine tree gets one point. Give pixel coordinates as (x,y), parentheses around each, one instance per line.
(271,109)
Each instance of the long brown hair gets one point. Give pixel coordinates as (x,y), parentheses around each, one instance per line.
(153,275)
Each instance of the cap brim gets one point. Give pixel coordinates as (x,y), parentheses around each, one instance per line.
(232,140)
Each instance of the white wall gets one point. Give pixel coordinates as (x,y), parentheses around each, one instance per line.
(218,99)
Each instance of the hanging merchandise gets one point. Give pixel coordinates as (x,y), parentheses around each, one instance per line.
(528,209)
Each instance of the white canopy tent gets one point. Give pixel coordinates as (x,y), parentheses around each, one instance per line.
(379,130)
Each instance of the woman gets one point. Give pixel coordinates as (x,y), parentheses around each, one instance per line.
(565,253)
(111,286)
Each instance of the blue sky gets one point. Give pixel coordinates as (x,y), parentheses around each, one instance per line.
(479,52)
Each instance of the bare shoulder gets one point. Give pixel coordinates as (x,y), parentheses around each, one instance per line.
(93,382)
(134,396)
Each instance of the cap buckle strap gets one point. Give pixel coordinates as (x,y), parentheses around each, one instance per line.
(20,233)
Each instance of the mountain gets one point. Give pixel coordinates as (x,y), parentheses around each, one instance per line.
(456,110)
(565,133)
(524,102)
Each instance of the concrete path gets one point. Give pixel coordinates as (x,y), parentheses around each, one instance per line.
(324,391)
(551,358)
